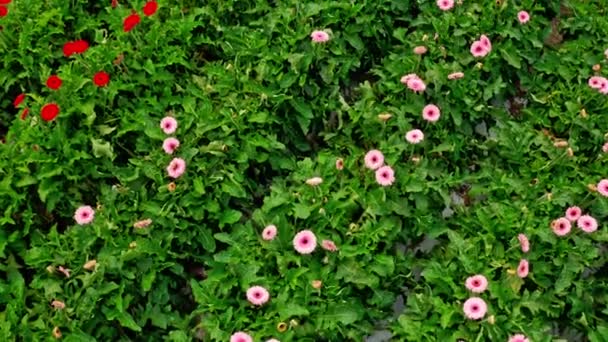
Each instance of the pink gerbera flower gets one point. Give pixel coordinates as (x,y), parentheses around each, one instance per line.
(420,50)
(455,75)
(485,41)
(84,215)
(329,245)
(374,159)
(305,242)
(257,295)
(587,223)
(605,148)
(602,187)
(431,113)
(240,337)
(170,145)
(477,283)
(604,86)
(168,124)
(319,36)
(445,5)
(523,268)
(524,243)
(595,82)
(408,77)
(478,50)
(339,164)
(385,175)
(573,213)
(475,308)
(416,85)
(414,136)
(518,338)
(561,226)
(269,232)
(176,168)
(523,17)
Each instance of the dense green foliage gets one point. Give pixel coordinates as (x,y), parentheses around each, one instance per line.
(261,109)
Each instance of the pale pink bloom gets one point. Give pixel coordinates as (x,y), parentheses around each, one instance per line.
(604,87)
(445,5)
(420,50)
(431,113)
(305,242)
(573,213)
(524,243)
(518,338)
(269,232)
(168,124)
(408,77)
(142,224)
(84,214)
(65,271)
(374,159)
(416,85)
(240,337)
(455,75)
(587,223)
(319,36)
(385,175)
(176,167)
(257,295)
(478,50)
(314,181)
(414,136)
(170,145)
(595,82)
(605,148)
(339,164)
(477,283)
(523,17)
(57,304)
(523,268)
(561,226)
(475,308)
(329,245)
(485,41)
(602,187)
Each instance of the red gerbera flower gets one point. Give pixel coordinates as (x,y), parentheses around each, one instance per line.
(18,100)
(5,2)
(49,112)
(101,79)
(114,3)
(130,22)
(53,82)
(3,11)
(150,8)
(24,113)
(77,46)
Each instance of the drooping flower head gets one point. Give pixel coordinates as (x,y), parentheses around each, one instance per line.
(374,159)
(475,308)
(385,175)
(485,41)
(523,17)
(53,82)
(319,36)
(49,111)
(84,215)
(518,338)
(142,223)
(561,226)
(455,75)
(524,243)
(168,124)
(445,5)
(477,283)
(523,268)
(329,245)
(431,113)
(150,8)
(176,167)
(602,187)
(414,136)
(257,295)
(101,79)
(170,145)
(573,213)
(75,47)
(240,337)
(130,22)
(420,50)
(305,242)
(18,100)
(587,223)
(269,232)
(314,181)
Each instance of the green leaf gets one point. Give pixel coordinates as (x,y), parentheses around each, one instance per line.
(291,310)
(511,58)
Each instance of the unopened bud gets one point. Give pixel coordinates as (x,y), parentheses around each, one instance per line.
(316,284)
(90,265)
(560,143)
